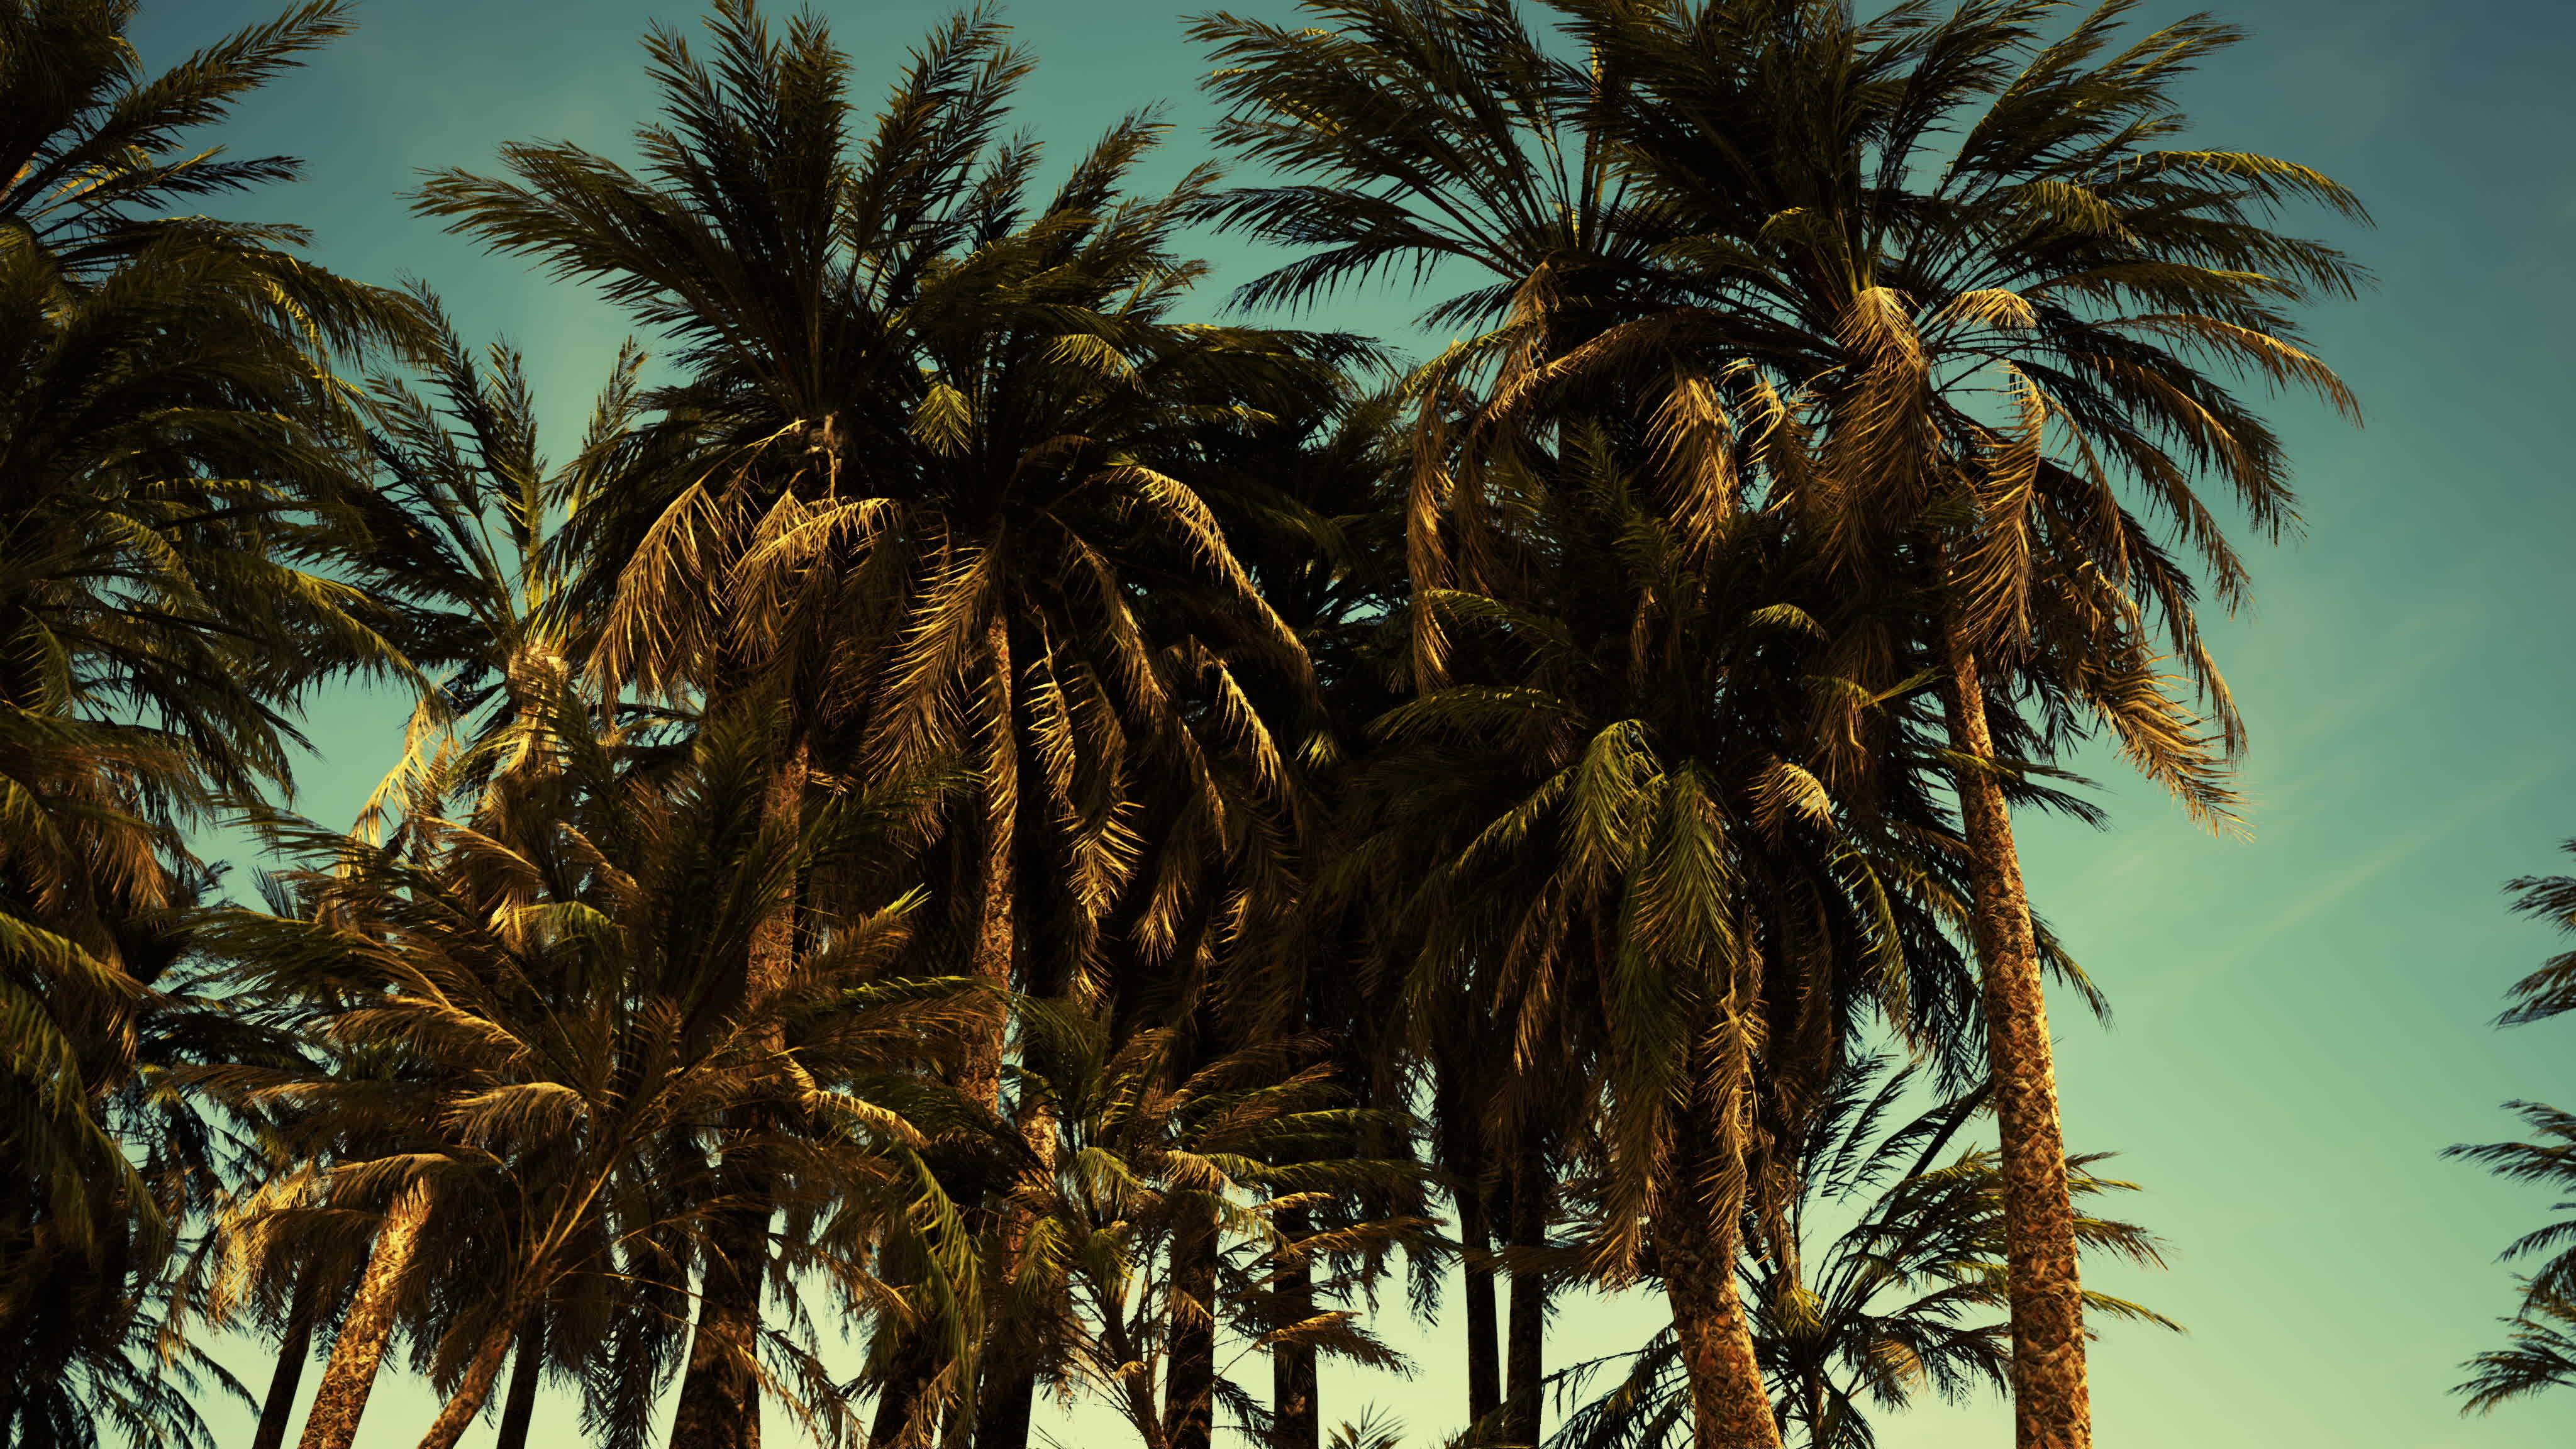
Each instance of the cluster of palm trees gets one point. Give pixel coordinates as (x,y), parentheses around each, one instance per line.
(1061,844)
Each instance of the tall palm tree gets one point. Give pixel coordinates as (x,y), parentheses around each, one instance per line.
(1641,872)
(1310,503)
(177,450)
(1906,1295)
(1613,641)
(932,438)
(2013,311)
(175,441)
(1414,136)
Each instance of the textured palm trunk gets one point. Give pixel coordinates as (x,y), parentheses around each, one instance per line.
(1004,1410)
(720,1390)
(1296,1417)
(1008,1400)
(1525,1336)
(1729,1407)
(2051,1399)
(527,1374)
(294,1350)
(1189,1370)
(332,1422)
(472,1391)
(1695,1247)
(1009,1391)
(997,933)
(1484,1346)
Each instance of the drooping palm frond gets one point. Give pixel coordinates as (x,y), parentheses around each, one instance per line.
(2534,1361)
(2542,1355)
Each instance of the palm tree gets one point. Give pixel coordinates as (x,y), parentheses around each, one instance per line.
(1644,872)
(931,443)
(114,1171)
(550,975)
(1581,546)
(176,450)
(2011,311)
(175,443)
(1157,1153)
(2542,1355)
(1415,135)
(461,543)
(2539,1355)
(1908,1295)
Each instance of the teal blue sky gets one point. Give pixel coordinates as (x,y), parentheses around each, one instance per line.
(2302,1017)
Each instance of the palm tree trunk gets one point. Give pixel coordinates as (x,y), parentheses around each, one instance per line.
(1484,1347)
(1729,1407)
(1008,1400)
(901,1399)
(466,1404)
(1525,1339)
(1695,1248)
(1189,1369)
(720,1390)
(294,1350)
(332,1422)
(1013,1350)
(1697,1226)
(526,1376)
(1296,1418)
(1004,1410)
(908,1360)
(720,1394)
(2051,1399)
(997,933)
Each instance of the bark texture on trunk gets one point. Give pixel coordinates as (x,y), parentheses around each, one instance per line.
(773,940)
(472,1391)
(1525,1336)
(1189,1365)
(1484,1345)
(1296,1418)
(720,1389)
(2051,1400)
(893,1417)
(527,1375)
(997,933)
(1730,1408)
(332,1422)
(1698,1236)
(294,1350)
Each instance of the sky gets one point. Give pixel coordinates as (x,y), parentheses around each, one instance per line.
(2303,1018)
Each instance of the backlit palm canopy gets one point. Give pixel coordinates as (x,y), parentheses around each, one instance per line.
(175,454)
